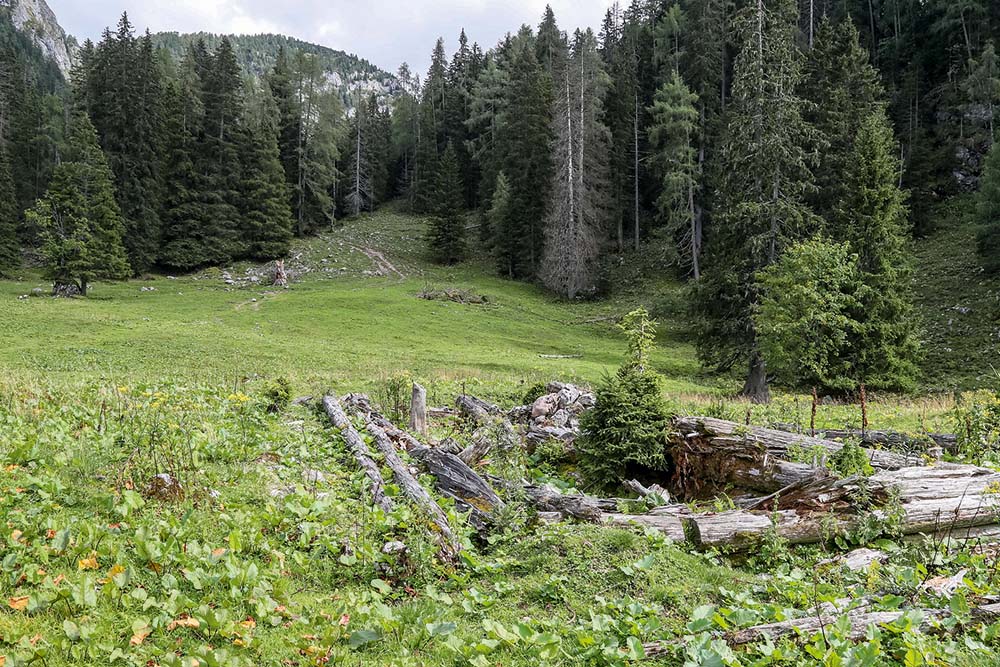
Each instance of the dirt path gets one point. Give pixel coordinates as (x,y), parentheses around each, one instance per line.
(382,266)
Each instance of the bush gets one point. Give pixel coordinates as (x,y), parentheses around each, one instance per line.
(278,394)
(977,425)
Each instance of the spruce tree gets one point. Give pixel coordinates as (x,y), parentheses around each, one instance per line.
(446,237)
(10,249)
(672,133)
(767,177)
(80,221)
(872,217)
(525,145)
(222,94)
(988,212)
(983,85)
(282,83)
(841,89)
(184,239)
(499,210)
(578,204)
(266,215)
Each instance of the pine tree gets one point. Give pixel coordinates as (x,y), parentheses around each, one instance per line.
(551,46)
(486,117)
(10,250)
(525,144)
(282,83)
(184,239)
(222,94)
(120,87)
(431,134)
(80,220)
(360,195)
(841,89)
(872,217)
(317,151)
(672,133)
(499,210)
(266,214)
(446,237)
(578,208)
(988,212)
(983,84)
(766,179)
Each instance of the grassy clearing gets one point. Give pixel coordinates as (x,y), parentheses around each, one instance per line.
(344,327)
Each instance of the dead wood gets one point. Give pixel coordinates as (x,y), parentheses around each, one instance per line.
(359,449)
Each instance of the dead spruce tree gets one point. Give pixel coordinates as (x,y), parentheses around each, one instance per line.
(578,201)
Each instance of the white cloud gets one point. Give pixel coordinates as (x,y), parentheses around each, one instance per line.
(386,32)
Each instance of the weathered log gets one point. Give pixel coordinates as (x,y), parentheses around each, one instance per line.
(946,441)
(476,409)
(642,491)
(860,621)
(670,525)
(711,456)
(453,478)
(549,499)
(359,449)
(740,529)
(418,410)
(450,544)
(496,434)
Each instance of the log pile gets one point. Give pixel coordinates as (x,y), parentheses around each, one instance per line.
(780,481)
(554,415)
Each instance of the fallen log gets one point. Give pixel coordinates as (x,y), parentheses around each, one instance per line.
(497,434)
(860,621)
(450,544)
(711,456)
(359,449)
(453,478)
(946,441)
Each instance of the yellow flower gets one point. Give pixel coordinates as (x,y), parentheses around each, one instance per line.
(122,389)
(239,397)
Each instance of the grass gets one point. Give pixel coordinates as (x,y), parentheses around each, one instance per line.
(263,562)
(344,329)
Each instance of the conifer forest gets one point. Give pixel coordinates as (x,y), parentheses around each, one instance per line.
(668,340)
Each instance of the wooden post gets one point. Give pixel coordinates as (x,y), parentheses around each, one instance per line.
(418,410)
(812,420)
(864,411)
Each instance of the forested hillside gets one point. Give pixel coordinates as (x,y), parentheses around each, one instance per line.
(779,157)
(257,55)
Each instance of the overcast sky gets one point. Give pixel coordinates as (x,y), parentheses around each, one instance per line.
(386,32)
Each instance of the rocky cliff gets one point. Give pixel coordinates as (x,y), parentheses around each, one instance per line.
(36,19)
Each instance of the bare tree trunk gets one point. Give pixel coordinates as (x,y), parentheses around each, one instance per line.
(418,410)
(756,388)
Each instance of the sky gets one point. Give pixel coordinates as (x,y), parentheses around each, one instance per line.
(385,32)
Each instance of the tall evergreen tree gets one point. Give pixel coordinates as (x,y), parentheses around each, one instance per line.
(988,212)
(525,140)
(10,249)
(983,85)
(317,152)
(266,215)
(282,82)
(672,136)
(578,205)
(81,223)
(446,237)
(122,92)
(767,179)
(841,89)
(873,220)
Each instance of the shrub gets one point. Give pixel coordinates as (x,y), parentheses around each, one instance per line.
(629,425)
(278,394)
(977,425)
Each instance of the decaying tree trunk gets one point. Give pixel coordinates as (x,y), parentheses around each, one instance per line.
(946,441)
(495,431)
(360,450)
(476,409)
(450,544)
(418,410)
(711,456)
(280,277)
(860,620)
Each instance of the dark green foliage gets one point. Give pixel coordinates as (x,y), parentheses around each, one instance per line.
(80,222)
(266,216)
(121,89)
(988,212)
(761,200)
(497,216)
(527,161)
(446,237)
(841,88)
(10,249)
(628,429)
(872,218)
(852,460)
(278,394)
